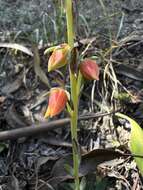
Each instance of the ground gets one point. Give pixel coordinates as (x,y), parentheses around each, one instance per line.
(114,30)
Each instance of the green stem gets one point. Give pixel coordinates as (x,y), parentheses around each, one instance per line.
(69,18)
(74,96)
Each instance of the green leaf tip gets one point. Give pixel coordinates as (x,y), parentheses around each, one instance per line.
(136,140)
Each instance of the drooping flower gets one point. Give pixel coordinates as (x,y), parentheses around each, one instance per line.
(57,101)
(89,69)
(59,57)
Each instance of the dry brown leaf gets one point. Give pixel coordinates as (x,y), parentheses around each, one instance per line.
(17,47)
(89,163)
(39,72)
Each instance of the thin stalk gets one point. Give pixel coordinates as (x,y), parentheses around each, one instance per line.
(69,19)
(74,95)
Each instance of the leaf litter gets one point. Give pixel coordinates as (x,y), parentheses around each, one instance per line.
(44,162)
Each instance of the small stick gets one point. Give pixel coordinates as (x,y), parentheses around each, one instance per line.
(42,128)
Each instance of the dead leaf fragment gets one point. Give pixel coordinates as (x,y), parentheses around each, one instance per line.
(39,72)
(2,99)
(17,47)
(89,163)
(11,87)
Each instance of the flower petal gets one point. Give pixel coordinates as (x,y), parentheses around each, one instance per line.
(59,57)
(57,102)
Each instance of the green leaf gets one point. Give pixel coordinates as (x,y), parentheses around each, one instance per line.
(83,183)
(136,140)
(3,146)
(49,50)
(69,169)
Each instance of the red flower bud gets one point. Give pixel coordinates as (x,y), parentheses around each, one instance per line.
(89,69)
(59,57)
(57,101)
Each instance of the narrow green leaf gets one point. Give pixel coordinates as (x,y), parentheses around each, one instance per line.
(3,146)
(69,109)
(50,49)
(79,83)
(69,169)
(136,140)
(83,183)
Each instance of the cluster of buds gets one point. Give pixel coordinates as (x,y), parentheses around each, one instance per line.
(58,97)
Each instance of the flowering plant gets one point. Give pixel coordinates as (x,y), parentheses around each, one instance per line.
(58,99)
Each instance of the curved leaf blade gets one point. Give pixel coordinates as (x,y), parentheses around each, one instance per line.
(136,140)
(17,47)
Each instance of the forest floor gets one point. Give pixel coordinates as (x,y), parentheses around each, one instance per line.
(110,32)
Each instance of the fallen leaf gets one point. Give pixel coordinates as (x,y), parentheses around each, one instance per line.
(129,72)
(15,119)
(89,163)
(2,99)
(13,86)
(39,72)
(17,47)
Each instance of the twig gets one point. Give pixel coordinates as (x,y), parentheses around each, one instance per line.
(129,154)
(136,183)
(133,155)
(41,128)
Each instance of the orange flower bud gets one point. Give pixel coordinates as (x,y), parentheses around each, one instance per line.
(89,69)
(59,57)
(57,101)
